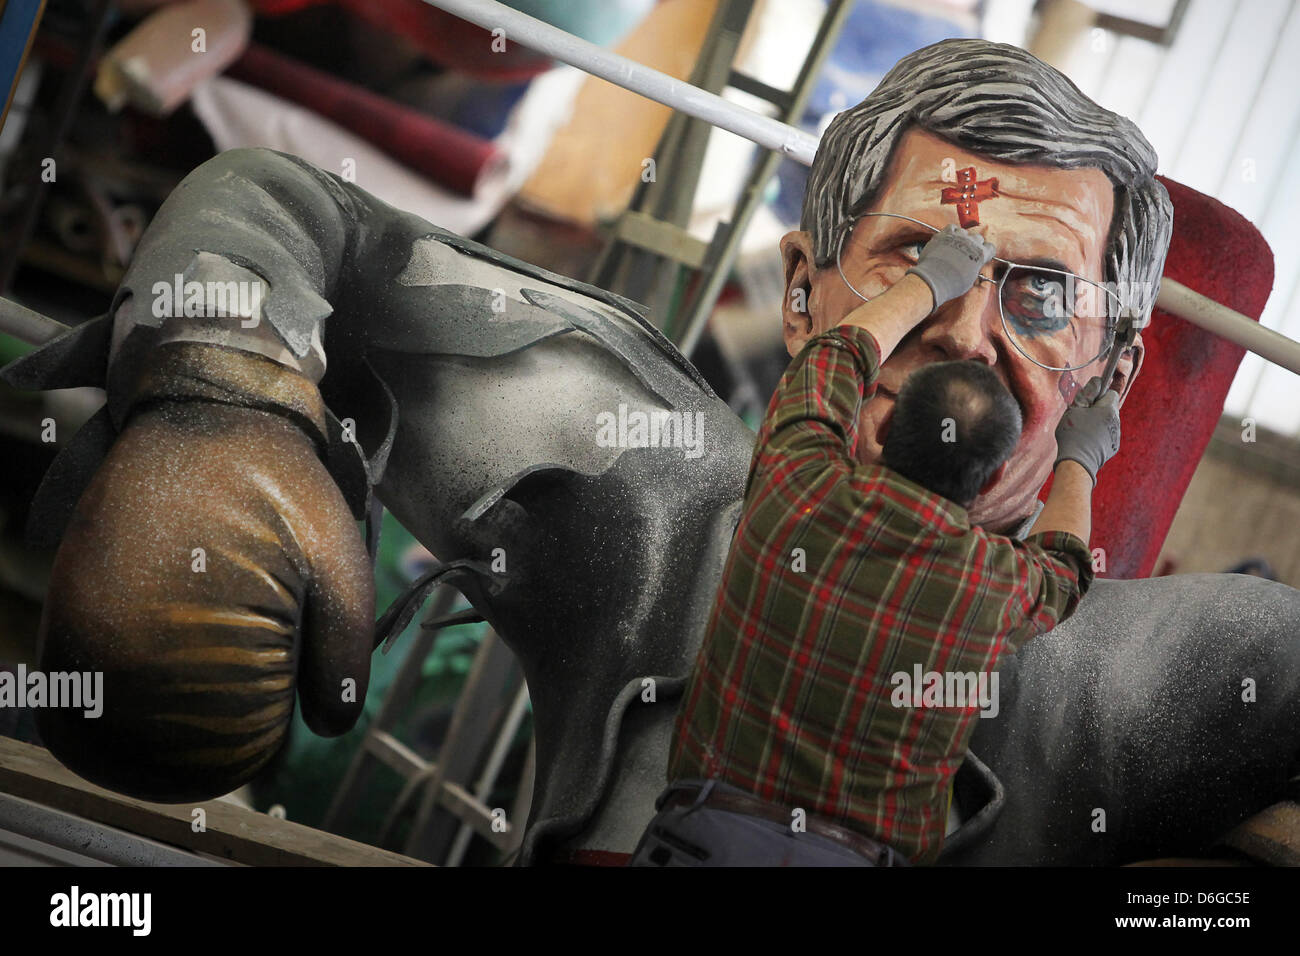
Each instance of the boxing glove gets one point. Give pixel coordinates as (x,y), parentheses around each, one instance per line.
(209,570)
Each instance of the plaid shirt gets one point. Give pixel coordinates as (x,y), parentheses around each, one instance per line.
(840,576)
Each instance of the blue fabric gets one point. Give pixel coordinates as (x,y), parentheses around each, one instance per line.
(701,835)
(874,38)
(602,22)
(17,23)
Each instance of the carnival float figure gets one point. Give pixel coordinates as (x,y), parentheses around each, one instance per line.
(471,393)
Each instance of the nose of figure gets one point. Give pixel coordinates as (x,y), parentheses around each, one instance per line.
(965,327)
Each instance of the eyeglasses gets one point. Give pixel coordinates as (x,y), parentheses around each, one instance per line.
(1054,318)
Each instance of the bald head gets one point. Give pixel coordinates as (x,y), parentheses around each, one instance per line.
(953,425)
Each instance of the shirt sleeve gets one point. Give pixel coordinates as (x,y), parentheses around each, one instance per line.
(1058,574)
(812,419)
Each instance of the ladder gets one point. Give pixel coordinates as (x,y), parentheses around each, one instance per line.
(649,255)
(450,807)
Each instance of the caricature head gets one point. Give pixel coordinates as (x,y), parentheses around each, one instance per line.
(1076,189)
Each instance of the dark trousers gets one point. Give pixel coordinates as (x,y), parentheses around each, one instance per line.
(697,834)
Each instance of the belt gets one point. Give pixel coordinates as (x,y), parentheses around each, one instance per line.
(733,801)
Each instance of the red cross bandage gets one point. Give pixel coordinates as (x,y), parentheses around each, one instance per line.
(968,194)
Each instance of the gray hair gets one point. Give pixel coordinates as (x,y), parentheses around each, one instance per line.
(1005,103)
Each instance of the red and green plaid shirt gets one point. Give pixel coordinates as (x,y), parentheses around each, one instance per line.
(841,576)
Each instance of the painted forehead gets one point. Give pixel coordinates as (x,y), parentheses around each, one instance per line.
(1022,206)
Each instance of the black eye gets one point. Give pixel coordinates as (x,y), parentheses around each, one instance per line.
(1034,302)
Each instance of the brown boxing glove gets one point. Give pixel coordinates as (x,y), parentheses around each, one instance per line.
(209,570)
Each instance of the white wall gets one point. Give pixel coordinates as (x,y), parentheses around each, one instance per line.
(1221,106)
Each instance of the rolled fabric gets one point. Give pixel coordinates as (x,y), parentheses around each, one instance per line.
(156,65)
(446,154)
(443,38)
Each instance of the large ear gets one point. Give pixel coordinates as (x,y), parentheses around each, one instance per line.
(1126,371)
(796,304)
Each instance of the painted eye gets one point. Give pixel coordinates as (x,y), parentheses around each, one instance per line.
(911,251)
(1035,302)
(1043,287)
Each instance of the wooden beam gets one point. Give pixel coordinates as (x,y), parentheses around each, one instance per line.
(230,833)
(661,238)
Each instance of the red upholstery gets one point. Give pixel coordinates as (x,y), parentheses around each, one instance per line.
(1178,396)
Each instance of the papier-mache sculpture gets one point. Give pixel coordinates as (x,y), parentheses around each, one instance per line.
(210,565)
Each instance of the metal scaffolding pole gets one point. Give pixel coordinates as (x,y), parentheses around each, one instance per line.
(630,75)
(689,329)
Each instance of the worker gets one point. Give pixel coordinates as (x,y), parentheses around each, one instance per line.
(792,747)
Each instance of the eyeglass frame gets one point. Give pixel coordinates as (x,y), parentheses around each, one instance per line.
(1120,329)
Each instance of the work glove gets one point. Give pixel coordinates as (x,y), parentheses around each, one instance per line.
(951,262)
(1089,430)
(210,569)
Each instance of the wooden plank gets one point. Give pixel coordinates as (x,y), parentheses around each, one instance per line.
(395,754)
(474,813)
(756,87)
(661,238)
(231,832)
(593,164)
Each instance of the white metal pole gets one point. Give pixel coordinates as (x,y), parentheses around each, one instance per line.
(619,70)
(1202,311)
(31,327)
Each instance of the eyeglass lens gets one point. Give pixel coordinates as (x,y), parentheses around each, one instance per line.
(1060,321)
(1055,319)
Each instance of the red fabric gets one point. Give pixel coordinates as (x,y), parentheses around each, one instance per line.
(445,153)
(443,38)
(1178,396)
